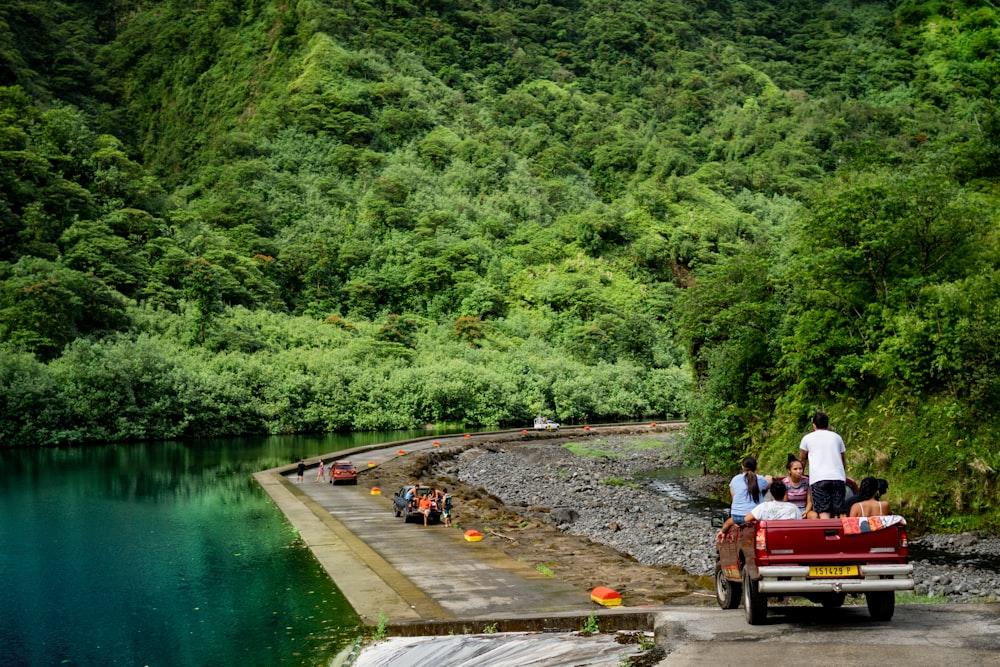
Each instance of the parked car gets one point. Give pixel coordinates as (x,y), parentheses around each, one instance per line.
(343,472)
(545,424)
(408,508)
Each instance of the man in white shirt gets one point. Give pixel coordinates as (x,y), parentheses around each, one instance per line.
(778,508)
(823,451)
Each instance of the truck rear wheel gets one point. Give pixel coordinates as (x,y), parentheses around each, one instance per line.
(726,592)
(754,604)
(881,605)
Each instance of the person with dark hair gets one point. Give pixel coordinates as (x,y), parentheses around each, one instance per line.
(747,489)
(446,506)
(853,499)
(822,451)
(798,486)
(778,508)
(869,501)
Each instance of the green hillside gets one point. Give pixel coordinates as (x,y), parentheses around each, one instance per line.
(239,216)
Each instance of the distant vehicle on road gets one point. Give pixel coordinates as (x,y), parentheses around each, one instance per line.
(343,472)
(545,424)
(408,508)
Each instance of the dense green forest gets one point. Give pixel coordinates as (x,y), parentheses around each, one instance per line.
(241,216)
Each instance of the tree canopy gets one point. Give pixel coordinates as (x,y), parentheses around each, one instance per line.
(235,216)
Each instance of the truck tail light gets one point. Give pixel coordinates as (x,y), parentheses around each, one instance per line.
(760,539)
(904,543)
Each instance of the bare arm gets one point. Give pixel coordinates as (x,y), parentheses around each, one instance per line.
(804,457)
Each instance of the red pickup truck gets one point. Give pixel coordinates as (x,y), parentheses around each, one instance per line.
(820,559)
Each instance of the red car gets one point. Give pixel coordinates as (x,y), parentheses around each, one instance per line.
(345,472)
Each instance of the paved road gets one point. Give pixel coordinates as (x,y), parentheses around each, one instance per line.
(919,635)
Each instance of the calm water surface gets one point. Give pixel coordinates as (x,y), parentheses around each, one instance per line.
(164,553)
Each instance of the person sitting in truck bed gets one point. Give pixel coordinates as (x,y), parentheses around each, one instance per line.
(869,503)
(779,508)
(797,485)
(747,489)
(425,507)
(855,498)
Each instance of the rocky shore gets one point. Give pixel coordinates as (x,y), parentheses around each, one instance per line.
(597,489)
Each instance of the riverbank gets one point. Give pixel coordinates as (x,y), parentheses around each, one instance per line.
(562,507)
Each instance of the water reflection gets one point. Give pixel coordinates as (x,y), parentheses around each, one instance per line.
(163,553)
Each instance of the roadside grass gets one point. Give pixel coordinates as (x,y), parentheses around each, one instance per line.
(859,601)
(544,569)
(600,447)
(592,449)
(618,481)
(917,598)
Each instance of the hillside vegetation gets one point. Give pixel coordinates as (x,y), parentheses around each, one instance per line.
(245,216)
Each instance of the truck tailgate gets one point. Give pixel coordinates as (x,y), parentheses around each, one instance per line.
(819,541)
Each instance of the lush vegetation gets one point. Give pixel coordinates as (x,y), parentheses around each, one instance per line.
(236,216)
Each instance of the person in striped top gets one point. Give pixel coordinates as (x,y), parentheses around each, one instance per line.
(797,486)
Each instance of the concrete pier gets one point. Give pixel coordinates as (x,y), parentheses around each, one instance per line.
(423,580)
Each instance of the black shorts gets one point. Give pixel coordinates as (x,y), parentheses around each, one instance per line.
(828,496)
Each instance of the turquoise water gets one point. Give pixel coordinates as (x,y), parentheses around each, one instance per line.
(164,553)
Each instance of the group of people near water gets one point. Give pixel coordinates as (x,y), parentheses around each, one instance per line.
(435,499)
(819,495)
(323,474)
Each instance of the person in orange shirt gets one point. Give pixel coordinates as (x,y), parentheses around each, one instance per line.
(425,507)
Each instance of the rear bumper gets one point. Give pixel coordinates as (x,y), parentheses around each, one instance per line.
(786,579)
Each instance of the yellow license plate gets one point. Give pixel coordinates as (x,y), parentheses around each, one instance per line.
(833,571)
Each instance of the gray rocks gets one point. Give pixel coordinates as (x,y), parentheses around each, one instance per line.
(595,497)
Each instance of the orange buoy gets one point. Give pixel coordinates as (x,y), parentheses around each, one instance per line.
(603,595)
(524,431)
(466,436)
(376,491)
(437,444)
(473,536)
(371,464)
(402,452)
(586,428)
(653,424)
